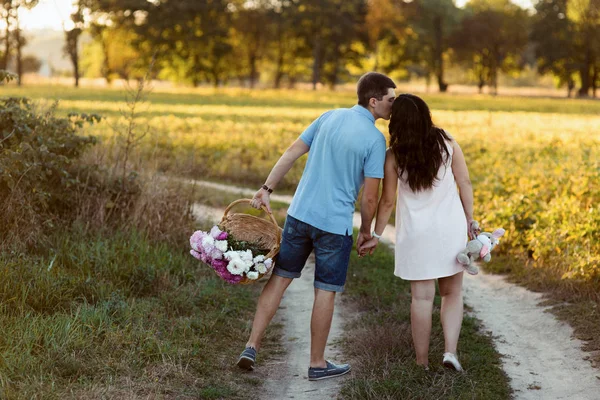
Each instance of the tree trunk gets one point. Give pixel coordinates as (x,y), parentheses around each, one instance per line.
(481,82)
(106,72)
(292,82)
(595,78)
(76,71)
(279,71)
(252,63)
(585,72)
(316,63)
(333,76)
(6,55)
(438,62)
(19,55)
(279,67)
(72,47)
(570,86)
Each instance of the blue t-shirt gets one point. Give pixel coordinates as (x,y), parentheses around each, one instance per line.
(345,147)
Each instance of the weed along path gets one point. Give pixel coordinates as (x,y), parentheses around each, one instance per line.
(540,354)
(285,376)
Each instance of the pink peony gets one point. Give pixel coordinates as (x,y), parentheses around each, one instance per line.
(196,254)
(223,236)
(205,258)
(219,265)
(196,240)
(215,232)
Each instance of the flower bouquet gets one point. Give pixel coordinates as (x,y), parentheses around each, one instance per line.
(240,249)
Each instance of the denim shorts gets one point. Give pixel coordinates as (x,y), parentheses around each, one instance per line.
(332,254)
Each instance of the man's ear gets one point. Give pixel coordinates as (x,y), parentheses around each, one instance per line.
(372,101)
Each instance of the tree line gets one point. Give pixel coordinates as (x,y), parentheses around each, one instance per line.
(327,41)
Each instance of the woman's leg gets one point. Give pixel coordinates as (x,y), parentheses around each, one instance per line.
(421,308)
(452,309)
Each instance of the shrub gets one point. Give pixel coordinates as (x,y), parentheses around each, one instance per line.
(37,178)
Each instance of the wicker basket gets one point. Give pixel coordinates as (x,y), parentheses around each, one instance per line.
(266,234)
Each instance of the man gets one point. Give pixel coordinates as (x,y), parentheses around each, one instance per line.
(346,150)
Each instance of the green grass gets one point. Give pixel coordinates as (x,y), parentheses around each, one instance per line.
(533,162)
(379,344)
(96,316)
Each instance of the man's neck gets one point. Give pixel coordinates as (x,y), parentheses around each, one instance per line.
(371,110)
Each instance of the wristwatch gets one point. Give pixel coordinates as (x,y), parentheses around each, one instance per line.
(375,235)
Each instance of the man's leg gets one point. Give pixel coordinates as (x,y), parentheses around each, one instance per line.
(268,303)
(320,325)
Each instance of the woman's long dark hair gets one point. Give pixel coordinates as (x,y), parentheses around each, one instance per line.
(418,145)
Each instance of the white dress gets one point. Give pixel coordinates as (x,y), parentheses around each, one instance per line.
(431,228)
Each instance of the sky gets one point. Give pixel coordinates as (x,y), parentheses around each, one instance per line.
(50,14)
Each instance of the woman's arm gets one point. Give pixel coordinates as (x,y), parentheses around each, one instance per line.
(461,174)
(388,195)
(386,202)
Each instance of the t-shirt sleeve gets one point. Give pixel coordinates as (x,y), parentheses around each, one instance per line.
(309,133)
(375,159)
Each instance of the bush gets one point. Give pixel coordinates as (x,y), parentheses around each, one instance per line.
(37,178)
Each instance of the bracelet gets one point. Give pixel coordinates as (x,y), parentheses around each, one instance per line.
(376,236)
(268,189)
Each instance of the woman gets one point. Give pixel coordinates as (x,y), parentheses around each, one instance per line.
(432,219)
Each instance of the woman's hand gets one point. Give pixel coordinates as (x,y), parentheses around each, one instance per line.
(368,247)
(473,229)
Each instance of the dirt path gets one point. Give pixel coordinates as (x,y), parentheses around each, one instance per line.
(541,356)
(286,377)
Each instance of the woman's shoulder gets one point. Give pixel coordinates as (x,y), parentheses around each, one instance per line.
(450,137)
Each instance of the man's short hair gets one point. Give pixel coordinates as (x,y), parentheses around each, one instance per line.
(373,84)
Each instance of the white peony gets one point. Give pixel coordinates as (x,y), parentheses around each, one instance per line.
(232,255)
(253,275)
(258,259)
(262,268)
(236,266)
(221,245)
(246,255)
(268,263)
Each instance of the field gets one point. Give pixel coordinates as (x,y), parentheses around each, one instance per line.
(534,163)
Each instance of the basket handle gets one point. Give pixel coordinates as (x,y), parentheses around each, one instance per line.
(249,201)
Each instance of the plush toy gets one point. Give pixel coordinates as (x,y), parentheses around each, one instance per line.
(480,247)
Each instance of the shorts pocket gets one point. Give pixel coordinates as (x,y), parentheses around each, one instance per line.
(330,241)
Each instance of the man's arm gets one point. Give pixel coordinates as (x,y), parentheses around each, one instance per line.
(368,206)
(283,165)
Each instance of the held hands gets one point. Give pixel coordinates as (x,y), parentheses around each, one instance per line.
(368,247)
(365,244)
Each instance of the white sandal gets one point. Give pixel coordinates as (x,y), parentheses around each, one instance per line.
(450,361)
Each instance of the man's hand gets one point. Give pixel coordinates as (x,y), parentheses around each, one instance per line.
(261,197)
(368,247)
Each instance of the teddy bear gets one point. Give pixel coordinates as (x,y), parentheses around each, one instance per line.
(480,247)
